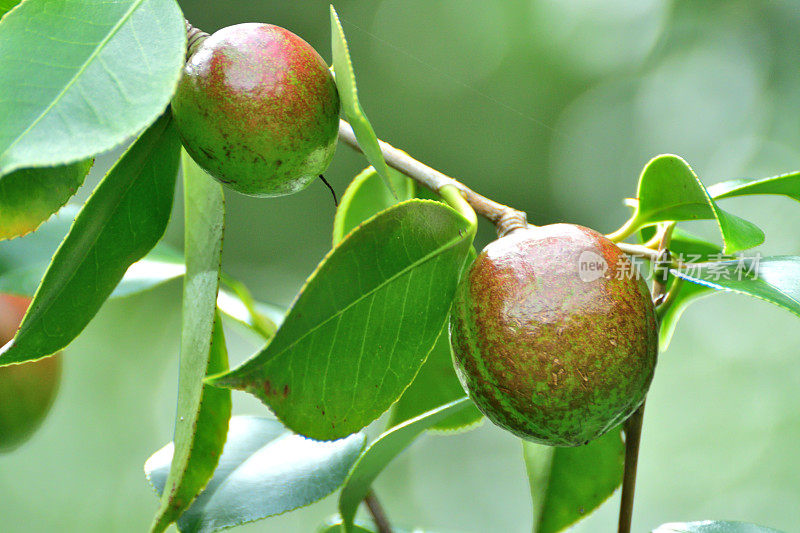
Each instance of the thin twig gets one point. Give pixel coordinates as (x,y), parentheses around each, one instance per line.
(377,512)
(633,434)
(505,218)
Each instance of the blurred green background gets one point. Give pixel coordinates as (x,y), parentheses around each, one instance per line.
(551,106)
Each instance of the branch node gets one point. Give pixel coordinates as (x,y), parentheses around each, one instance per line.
(511,220)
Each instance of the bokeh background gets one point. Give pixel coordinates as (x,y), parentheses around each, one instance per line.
(552,106)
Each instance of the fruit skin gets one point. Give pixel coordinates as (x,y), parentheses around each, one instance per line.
(544,354)
(27,390)
(258,109)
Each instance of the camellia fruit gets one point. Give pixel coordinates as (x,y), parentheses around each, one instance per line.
(554,334)
(27,390)
(258,109)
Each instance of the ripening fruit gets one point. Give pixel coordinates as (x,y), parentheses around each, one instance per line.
(554,334)
(27,390)
(258,109)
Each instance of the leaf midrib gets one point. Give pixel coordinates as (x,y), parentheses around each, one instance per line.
(447,246)
(100,47)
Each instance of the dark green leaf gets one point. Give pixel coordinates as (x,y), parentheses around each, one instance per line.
(365,197)
(435,385)
(670,190)
(264,470)
(6,6)
(201,422)
(30,196)
(713,526)
(569,483)
(381,452)
(363,323)
(122,221)
(773,279)
(785,184)
(81,77)
(346,83)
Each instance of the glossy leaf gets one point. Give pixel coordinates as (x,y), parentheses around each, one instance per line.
(122,221)
(346,83)
(785,184)
(670,190)
(201,422)
(30,196)
(382,451)
(436,384)
(363,323)
(7,5)
(685,294)
(713,526)
(773,279)
(81,76)
(569,483)
(367,196)
(264,470)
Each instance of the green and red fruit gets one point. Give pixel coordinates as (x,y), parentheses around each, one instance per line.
(554,334)
(27,390)
(258,109)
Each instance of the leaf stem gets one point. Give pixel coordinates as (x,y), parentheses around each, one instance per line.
(505,218)
(377,512)
(633,434)
(625,231)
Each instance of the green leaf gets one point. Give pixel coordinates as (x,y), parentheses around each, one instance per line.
(363,323)
(264,470)
(773,279)
(785,184)
(122,221)
(30,196)
(713,526)
(7,5)
(569,483)
(365,197)
(670,190)
(669,314)
(436,384)
(381,452)
(346,83)
(201,422)
(80,77)
(200,433)
(24,261)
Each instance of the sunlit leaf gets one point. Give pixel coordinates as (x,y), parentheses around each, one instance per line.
(670,190)
(30,196)
(436,384)
(264,470)
(201,422)
(367,196)
(81,76)
(785,185)
(569,483)
(6,6)
(382,451)
(346,83)
(713,526)
(122,221)
(363,323)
